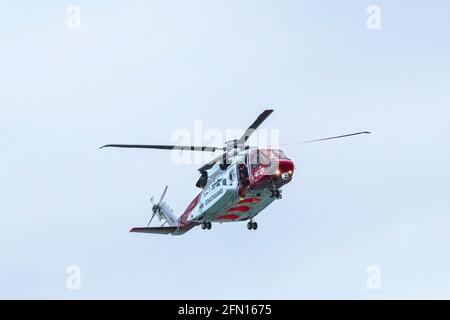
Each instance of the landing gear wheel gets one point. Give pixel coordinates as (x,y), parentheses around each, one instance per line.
(275,193)
(203,225)
(278,194)
(208,225)
(252,225)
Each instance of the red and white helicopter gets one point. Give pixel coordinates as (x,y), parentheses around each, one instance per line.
(236,186)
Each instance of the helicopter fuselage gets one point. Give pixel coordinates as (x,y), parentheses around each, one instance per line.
(241,191)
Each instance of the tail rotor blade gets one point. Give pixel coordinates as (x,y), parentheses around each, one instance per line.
(151,219)
(163,195)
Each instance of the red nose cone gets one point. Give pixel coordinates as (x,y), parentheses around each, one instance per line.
(286,166)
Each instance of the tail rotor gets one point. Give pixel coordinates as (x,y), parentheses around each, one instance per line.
(156,207)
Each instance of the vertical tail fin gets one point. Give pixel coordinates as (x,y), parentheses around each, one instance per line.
(166,214)
(163,211)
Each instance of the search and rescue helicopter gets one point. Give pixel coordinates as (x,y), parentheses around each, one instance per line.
(236,186)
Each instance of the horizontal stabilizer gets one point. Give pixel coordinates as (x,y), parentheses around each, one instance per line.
(158,230)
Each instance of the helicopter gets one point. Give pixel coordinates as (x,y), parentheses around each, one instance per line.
(235,186)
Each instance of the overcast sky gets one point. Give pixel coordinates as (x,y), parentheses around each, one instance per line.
(138,70)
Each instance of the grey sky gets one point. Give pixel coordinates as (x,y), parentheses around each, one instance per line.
(138,70)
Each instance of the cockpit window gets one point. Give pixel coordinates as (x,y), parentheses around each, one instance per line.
(278,154)
(263,158)
(274,154)
(259,156)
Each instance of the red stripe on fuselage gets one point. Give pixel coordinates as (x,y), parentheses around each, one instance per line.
(250,200)
(239,209)
(183,219)
(228,217)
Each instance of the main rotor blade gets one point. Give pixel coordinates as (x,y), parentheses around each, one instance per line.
(164,147)
(262,117)
(330,138)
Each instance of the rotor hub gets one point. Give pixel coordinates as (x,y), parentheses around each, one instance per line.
(231,144)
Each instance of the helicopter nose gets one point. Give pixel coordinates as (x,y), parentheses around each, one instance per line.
(285,169)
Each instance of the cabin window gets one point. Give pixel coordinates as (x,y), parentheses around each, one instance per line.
(232,174)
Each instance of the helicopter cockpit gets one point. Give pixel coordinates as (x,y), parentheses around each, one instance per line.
(269,167)
(264,157)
